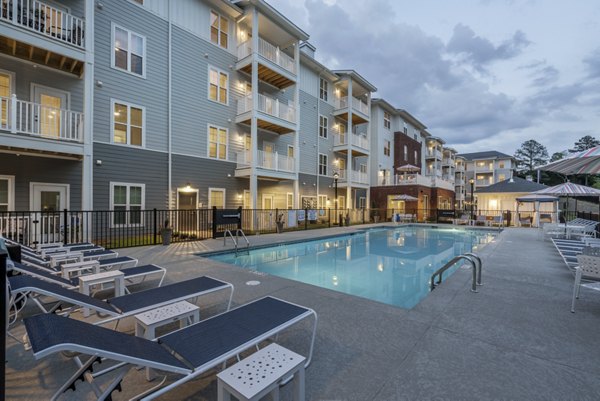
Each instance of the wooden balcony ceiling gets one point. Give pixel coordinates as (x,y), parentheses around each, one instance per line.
(39,56)
(269,76)
(356,119)
(355,151)
(268,126)
(37,152)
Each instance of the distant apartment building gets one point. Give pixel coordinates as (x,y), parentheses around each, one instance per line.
(483,169)
(407,160)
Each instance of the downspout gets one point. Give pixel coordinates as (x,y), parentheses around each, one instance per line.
(169,115)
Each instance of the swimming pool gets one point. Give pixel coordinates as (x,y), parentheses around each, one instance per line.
(389,265)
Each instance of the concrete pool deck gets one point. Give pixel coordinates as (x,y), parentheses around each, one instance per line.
(514,340)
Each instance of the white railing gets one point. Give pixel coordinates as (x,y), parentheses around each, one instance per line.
(412,179)
(360,177)
(22,117)
(267,160)
(484,168)
(448,177)
(441,183)
(433,153)
(360,141)
(460,168)
(268,51)
(459,181)
(483,183)
(268,105)
(357,104)
(448,161)
(44,19)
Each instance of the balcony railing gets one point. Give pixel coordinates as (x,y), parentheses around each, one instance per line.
(22,117)
(483,183)
(405,179)
(357,104)
(268,105)
(448,161)
(433,153)
(44,19)
(460,168)
(448,177)
(360,177)
(360,141)
(267,160)
(268,51)
(485,168)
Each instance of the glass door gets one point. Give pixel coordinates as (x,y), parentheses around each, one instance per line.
(187,214)
(47,112)
(47,203)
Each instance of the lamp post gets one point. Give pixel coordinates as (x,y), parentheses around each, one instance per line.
(472,182)
(336,176)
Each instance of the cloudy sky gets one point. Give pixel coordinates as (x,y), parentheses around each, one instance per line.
(482,74)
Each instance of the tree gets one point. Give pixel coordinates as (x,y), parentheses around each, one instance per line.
(557,156)
(530,155)
(585,143)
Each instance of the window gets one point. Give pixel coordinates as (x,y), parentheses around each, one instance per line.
(362,202)
(139,2)
(405,129)
(6,79)
(7,193)
(322,164)
(128,123)
(500,164)
(219,29)
(216,198)
(387,123)
(217,142)
(127,203)
(129,51)
(323,89)
(406,153)
(323,124)
(290,151)
(501,177)
(417,159)
(218,86)
(386,147)
(322,201)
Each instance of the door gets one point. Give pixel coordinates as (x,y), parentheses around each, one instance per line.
(6,91)
(48,120)
(267,201)
(47,203)
(187,213)
(268,155)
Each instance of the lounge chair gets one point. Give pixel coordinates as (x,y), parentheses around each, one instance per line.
(464,219)
(588,270)
(524,221)
(118,307)
(188,352)
(497,221)
(481,220)
(129,274)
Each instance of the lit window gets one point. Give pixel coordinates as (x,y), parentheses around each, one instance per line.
(217,143)
(128,123)
(216,198)
(218,86)
(386,148)
(129,51)
(323,126)
(127,203)
(219,29)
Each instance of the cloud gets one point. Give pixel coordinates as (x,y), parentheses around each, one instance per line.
(592,64)
(480,51)
(541,74)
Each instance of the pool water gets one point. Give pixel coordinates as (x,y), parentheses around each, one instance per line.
(389,265)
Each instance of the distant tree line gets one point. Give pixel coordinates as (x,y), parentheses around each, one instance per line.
(533,154)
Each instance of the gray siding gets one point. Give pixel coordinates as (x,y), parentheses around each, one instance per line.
(130,165)
(309,134)
(150,92)
(27,169)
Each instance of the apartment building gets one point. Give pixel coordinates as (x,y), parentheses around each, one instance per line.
(483,169)
(136,105)
(408,161)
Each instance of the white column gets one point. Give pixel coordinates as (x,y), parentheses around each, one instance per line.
(254,121)
(297,132)
(349,146)
(87,176)
(369,173)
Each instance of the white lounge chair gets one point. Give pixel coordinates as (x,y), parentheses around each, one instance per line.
(588,270)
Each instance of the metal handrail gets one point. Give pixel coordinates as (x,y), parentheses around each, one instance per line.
(479,265)
(232,238)
(240,231)
(472,260)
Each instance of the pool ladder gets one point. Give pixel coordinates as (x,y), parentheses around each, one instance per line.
(239,232)
(476,265)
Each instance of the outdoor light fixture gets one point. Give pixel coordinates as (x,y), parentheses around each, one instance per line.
(472,182)
(187,188)
(336,176)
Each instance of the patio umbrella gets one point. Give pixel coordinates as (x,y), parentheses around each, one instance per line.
(569,189)
(585,162)
(405,197)
(408,168)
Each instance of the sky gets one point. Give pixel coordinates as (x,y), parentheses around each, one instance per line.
(481,74)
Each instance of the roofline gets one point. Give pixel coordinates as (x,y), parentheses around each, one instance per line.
(437,138)
(356,76)
(448,148)
(384,104)
(275,15)
(312,62)
(232,6)
(486,158)
(411,119)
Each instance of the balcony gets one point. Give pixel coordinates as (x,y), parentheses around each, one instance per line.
(459,196)
(360,110)
(484,182)
(460,168)
(443,184)
(275,67)
(448,177)
(273,115)
(359,144)
(29,125)
(459,182)
(271,165)
(433,154)
(356,177)
(486,168)
(446,161)
(43,34)
(405,179)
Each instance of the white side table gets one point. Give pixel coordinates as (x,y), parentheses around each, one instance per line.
(87,281)
(260,374)
(146,323)
(78,267)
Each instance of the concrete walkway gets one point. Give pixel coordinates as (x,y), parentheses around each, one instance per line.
(514,340)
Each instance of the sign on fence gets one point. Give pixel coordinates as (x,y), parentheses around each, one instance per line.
(312,215)
(226,219)
(301,215)
(292,218)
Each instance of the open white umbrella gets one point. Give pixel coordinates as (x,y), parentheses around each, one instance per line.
(585,162)
(569,189)
(405,197)
(408,168)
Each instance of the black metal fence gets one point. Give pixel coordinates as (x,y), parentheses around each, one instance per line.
(128,228)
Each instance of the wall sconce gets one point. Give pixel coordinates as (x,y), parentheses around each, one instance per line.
(98,162)
(99,83)
(187,188)
(228,175)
